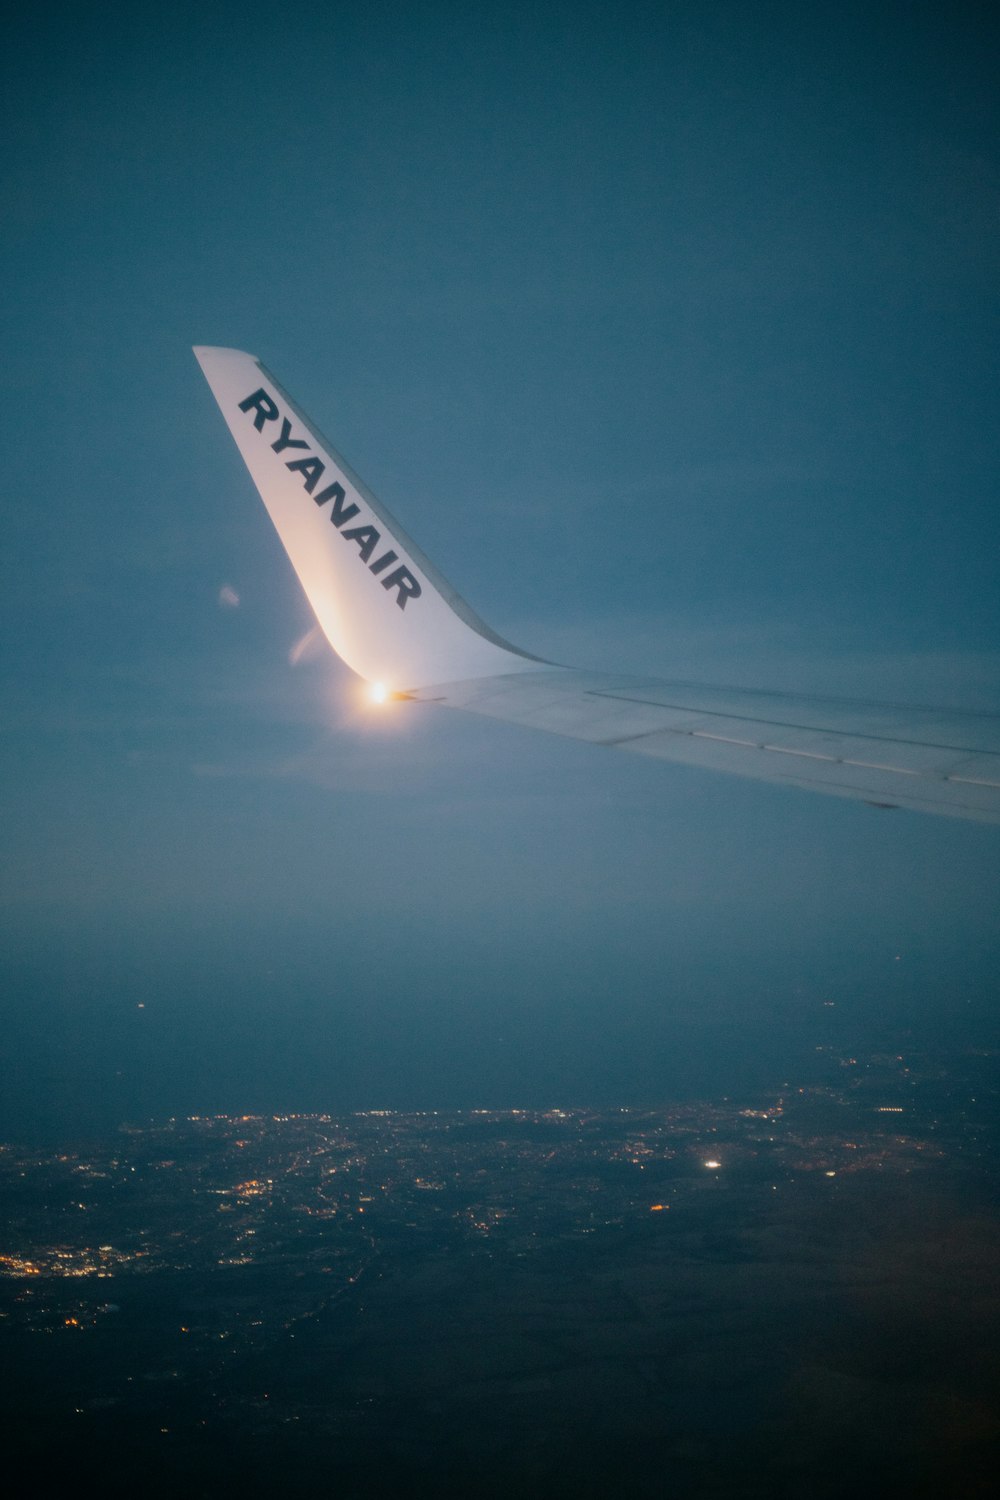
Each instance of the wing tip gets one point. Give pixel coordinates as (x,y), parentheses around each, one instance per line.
(212,353)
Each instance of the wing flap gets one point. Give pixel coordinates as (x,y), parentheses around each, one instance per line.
(883,754)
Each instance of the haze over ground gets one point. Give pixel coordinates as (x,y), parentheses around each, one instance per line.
(671,339)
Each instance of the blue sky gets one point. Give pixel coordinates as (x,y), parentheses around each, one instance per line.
(672,339)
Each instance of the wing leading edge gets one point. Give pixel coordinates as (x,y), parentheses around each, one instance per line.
(391,616)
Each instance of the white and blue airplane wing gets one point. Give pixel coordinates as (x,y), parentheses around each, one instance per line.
(387,611)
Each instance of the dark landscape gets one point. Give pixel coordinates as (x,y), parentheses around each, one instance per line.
(789,1294)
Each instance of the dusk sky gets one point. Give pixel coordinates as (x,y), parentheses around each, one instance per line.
(670,336)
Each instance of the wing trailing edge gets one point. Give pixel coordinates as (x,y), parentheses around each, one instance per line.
(928,760)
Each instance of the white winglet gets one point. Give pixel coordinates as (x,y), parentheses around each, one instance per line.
(382,605)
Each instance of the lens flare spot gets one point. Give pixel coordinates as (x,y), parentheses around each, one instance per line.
(378,692)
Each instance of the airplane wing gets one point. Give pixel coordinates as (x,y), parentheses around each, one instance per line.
(387,611)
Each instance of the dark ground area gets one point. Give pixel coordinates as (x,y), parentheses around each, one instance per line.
(497,1307)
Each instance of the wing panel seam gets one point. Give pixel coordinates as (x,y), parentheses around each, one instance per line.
(716,713)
